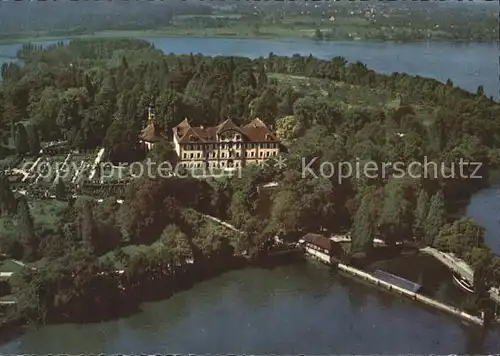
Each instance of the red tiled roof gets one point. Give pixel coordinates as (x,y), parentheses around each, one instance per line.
(323,242)
(181,129)
(255,131)
(151,133)
(227,125)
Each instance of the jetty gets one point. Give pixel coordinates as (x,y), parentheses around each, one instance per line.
(376,279)
(325,250)
(459,267)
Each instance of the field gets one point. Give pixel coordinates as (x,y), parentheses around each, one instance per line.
(9,266)
(349,94)
(353,96)
(45,214)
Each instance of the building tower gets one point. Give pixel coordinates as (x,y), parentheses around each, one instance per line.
(151,134)
(151,112)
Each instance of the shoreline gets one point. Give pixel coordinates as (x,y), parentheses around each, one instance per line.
(172,34)
(13,326)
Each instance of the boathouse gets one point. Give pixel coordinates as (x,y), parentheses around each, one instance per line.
(321,247)
(397,281)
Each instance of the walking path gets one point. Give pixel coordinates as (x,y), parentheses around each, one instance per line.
(96,163)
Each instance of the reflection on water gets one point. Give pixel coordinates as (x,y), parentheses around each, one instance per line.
(291,309)
(484,208)
(434,277)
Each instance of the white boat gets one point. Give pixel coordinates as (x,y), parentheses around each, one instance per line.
(463,283)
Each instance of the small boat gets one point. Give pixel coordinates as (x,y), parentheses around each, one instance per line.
(463,283)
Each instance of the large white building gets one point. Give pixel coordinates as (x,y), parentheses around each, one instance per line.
(226,145)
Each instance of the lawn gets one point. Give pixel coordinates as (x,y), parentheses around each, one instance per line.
(9,266)
(45,215)
(129,250)
(46,212)
(349,94)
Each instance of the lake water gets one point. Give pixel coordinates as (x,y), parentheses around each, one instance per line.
(305,308)
(467,64)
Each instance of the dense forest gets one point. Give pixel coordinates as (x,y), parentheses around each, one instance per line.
(95,93)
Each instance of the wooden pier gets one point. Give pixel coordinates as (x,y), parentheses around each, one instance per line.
(398,290)
(412,295)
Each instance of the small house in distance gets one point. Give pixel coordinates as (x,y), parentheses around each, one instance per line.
(321,247)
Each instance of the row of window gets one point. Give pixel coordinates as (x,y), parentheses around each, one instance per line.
(237,137)
(213,155)
(215,146)
(317,248)
(215,164)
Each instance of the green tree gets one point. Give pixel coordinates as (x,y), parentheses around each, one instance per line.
(21,140)
(318,35)
(436,217)
(60,190)
(363,227)
(26,229)
(396,216)
(177,243)
(33,140)
(7,199)
(421,212)
(89,233)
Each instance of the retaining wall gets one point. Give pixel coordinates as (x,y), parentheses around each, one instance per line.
(415,296)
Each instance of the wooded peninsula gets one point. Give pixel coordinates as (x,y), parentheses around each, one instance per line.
(95,93)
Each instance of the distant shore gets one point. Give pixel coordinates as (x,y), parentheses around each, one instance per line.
(239,33)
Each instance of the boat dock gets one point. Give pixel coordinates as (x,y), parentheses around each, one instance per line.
(392,287)
(459,267)
(394,284)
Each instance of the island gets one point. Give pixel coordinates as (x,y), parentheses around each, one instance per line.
(281,148)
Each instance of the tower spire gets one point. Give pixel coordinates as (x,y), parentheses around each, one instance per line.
(151,111)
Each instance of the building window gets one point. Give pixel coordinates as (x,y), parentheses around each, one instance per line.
(191,155)
(238,137)
(185,156)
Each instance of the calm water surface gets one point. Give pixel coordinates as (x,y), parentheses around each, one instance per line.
(303,308)
(485,210)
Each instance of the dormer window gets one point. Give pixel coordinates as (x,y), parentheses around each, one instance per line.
(238,137)
(268,137)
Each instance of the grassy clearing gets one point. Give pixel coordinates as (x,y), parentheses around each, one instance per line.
(129,250)
(349,94)
(47,212)
(9,266)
